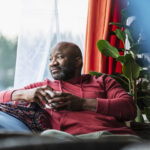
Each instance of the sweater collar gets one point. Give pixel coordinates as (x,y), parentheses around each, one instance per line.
(76,80)
(79,79)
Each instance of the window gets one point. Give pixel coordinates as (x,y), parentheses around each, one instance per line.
(38,25)
(9,28)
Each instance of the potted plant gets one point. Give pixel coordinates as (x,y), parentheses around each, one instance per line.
(135,73)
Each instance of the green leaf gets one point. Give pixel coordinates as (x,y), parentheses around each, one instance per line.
(147,112)
(129,37)
(121,59)
(118,24)
(120,34)
(127,58)
(106,49)
(135,48)
(97,74)
(136,70)
(130,68)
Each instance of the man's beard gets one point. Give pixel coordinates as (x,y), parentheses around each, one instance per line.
(65,72)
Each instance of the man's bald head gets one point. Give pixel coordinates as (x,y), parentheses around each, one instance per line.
(66,61)
(71,47)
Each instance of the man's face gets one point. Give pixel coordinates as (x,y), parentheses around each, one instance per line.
(62,64)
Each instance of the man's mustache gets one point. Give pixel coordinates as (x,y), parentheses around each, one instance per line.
(60,67)
(57,67)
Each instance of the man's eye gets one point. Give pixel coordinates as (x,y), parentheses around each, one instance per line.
(60,57)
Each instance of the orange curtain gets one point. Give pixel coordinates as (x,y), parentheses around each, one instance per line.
(97,28)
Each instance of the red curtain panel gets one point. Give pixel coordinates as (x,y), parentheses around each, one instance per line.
(112,65)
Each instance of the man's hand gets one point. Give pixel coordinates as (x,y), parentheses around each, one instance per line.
(71,102)
(39,95)
(56,100)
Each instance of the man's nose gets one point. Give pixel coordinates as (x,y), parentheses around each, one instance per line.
(53,62)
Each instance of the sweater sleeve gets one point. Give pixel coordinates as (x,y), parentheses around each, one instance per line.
(118,102)
(5,96)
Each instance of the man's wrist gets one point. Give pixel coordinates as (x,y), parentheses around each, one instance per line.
(90,104)
(18,95)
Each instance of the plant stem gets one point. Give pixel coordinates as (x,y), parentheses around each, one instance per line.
(134,91)
(130,89)
(139,117)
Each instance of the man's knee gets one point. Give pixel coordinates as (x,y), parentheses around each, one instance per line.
(59,135)
(10,123)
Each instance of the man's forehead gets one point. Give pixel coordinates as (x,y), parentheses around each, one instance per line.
(59,50)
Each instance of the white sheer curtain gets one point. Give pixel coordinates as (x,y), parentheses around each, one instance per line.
(43,24)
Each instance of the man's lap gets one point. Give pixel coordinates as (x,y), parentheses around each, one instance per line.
(10,123)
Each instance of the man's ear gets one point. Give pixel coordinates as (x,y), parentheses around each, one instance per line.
(78,61)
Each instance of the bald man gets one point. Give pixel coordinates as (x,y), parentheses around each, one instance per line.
(77,104)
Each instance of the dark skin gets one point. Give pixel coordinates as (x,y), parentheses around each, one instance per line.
(65,64)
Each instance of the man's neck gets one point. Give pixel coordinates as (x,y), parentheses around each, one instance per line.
(74,79)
